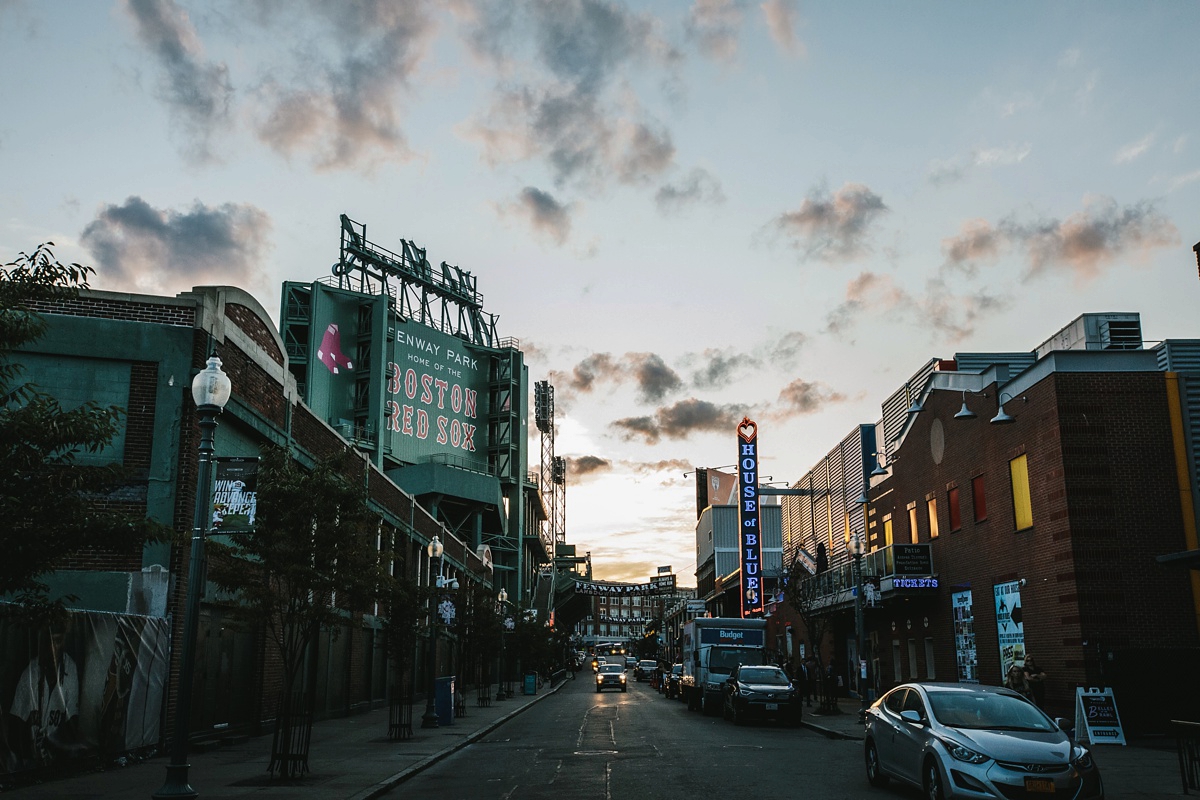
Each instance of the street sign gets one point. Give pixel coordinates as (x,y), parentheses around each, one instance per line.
(1096,717)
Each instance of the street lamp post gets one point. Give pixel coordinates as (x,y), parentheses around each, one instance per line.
(429,718)
(502,598)
(855,546)
(210,391)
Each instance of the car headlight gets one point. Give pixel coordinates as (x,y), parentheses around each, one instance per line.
(962,753)
(1081,758)
(622,678)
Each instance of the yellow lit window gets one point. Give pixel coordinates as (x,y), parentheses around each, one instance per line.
(931,506)
(887,531)
(1022,506)
(912,523)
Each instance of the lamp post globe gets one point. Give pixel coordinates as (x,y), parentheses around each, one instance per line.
(211,389)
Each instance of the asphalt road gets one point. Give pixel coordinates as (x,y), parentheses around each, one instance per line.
(637,745)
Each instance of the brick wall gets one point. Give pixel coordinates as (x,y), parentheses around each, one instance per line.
(114,308)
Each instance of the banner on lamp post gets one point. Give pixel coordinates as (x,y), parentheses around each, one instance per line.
(750,535)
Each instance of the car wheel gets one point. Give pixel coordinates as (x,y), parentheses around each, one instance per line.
(624,688)
(875,774)
(933,782)
(597,690)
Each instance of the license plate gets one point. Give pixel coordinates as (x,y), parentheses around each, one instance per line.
(772,706)
(1040,785)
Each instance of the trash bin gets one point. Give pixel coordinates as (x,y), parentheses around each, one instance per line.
(443,699)
(531,683)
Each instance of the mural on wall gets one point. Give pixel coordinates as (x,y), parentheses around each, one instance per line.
(91,684)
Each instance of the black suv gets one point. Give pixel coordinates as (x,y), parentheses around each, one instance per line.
(761,692)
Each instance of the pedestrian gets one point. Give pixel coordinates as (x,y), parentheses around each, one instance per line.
(1015,680)
(813,669)
(1035,676)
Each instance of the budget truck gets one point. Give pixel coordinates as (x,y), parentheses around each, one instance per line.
(712,647)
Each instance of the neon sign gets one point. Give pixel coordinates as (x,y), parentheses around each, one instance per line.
(751,535)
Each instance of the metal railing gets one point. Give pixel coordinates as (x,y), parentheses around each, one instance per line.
(837,583)
(1187,744)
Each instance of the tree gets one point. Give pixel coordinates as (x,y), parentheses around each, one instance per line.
(311,561)
(52,506)
(805,595)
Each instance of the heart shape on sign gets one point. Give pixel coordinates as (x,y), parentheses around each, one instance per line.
(747,429)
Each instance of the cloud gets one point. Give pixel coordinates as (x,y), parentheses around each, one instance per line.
(1089,240)
(655,380)
(1134,150)
(680,420)
(783,350)
(782,17)
(977,241)
(941,312)
(197,92)
(662,465)
(562,113)
(651,375)
(343,103)
(1183,180)
(583,466)
(833,228)
(714,26)
(548,218)
(697,187)
(806,397)
(719,367)
(956,169)
(148,249)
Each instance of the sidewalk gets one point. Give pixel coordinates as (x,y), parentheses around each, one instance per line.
(1146,768)
(351,758)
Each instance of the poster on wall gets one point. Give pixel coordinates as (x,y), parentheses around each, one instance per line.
(964,637)
(1010,626)
(88,685)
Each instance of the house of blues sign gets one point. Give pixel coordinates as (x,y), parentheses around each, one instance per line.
(751,537)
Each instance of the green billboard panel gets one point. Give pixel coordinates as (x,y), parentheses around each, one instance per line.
(333,334)
(435,395)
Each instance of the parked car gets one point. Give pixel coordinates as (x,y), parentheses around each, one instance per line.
(644,669)
(958,740)
(671,689)
(611,675)
(762,692)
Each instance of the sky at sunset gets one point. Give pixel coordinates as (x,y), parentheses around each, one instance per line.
(686,212)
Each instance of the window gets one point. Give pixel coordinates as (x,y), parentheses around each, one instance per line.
(977,498)
(931,507)
(930,672)
(887,531)
(912,659)
(1022,506)
(952,505)
(897,667)
(912,523)
(637,600)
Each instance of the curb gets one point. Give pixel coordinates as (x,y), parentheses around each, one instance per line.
(389,783)
(830,732)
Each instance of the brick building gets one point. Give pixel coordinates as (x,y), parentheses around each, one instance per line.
(1033,525)
(140,353)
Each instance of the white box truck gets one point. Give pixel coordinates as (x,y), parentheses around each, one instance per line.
(712,647)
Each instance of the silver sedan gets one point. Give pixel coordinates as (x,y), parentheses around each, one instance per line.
(960,740)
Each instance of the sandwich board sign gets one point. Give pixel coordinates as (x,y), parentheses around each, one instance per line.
(1096,716)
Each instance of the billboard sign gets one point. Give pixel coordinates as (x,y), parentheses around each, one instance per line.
(751,536)
(435,395)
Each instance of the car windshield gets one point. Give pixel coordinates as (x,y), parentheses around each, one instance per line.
(648,664)
(677,669)
(772,676)
(991,710)
(611,669)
